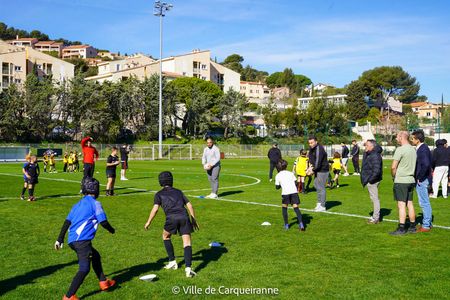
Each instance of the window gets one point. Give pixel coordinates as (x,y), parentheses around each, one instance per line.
(204,67)
(428,114)
(117,67)
(17,80)
(203,77)
(39,67)
(18,68)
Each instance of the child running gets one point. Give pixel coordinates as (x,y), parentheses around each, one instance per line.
(83,221)
(300,166)
(111,164)
(287,182)
(31,171)
(174,204)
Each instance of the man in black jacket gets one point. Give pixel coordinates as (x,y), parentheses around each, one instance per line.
(422,175)
(440,163)
(319,161)
(345,153)
(371,176)
(274,156)
(355,157)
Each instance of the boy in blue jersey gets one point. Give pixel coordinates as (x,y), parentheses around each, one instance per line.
(83,221)
(174,204)
(31,172)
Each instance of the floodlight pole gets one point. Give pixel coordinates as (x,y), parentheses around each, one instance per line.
(160,9)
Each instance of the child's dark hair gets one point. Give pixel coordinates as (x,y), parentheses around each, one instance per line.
(336,155)
(303,152)
(282,165)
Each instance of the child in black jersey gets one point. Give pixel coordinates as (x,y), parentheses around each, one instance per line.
(173,202)
(111,164)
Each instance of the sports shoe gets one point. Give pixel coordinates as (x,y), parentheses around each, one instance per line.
(423,229)
(320,208)
(286,226)
(412,229)
(301,227)
(189,272)
(107,284)
(346,174)
(399,231)
(22,197)
(337,185)
(373,221)
(270,180)
(356,174)
(171,265)
(433,197)
(445,197)
(73,297)
(123,178)
(212,196)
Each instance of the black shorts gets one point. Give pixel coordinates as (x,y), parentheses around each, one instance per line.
(290,199)
(110,174)
(336,171)
(88,170)
(125,164)
(403,191)
(32,180)
(178,224)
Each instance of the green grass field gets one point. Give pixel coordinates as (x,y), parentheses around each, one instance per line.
(338,256)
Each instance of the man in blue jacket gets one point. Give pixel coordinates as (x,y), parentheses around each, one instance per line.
(423,174)
(371,176)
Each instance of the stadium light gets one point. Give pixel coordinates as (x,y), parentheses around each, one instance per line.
(160,9)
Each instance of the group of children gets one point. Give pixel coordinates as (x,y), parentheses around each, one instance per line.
(49,161)
(301,165)
(71,162)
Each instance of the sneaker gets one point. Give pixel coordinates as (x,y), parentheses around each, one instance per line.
(22,197)
(423,229)
(301,227)
(445,197)
(337,185)
(212,196)
(123,178)
(399,231)
(270,180)
(412,229)
(171,265)
(433,196)
(107,284)
(373,221)
(286,226)
(73,297)
(320,208)
(356,174)
(346,174)
(189,272)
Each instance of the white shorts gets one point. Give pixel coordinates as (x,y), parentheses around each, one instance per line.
(344,161)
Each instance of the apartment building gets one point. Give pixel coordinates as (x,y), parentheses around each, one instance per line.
(255,91)
(425,109)
(79,51)
(17,62)
(303,103)
(199,64)
(49,46)
(23,42)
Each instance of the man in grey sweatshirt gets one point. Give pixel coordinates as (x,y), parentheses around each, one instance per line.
(211,164)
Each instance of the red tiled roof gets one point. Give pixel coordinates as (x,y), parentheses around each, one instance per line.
(77,47)
(418,104)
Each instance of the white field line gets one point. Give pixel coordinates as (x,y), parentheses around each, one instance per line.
(222,199)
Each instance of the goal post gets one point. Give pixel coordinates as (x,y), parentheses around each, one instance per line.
(173,152)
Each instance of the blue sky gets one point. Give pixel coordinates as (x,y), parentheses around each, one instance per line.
(329,41)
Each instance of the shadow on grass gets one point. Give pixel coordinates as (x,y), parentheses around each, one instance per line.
(57,196)
(143,177)
(384,212)
(27,278)
(206,256)
(127,274)
(306,219)
(331,204)
(227,193)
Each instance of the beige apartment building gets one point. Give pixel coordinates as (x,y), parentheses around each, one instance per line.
(79,51)
(425,109)
(23,42)
(303,103)
(17,62)
(255,91)
(199,64)
(49,46)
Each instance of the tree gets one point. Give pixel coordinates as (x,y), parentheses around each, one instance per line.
(12,114)
(384,82)
(233,62)
(295,82)
(356,106)
(231,107)
(270,115)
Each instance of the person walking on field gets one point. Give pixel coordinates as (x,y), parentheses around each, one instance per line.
(422,175)
(345,153)
(371,176)
(274,156)
(319,166)
(90,155)
(211,164)
(355,157)
(403,170)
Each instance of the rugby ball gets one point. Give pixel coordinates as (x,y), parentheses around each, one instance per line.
(149,277)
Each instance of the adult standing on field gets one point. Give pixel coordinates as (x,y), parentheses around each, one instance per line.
(355,157)
(124,151)
(423,175)
(319,161)
(403,170)
(371,176)
(441,161)
(211,164)
(274,156)
(345,153)
(90,155)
